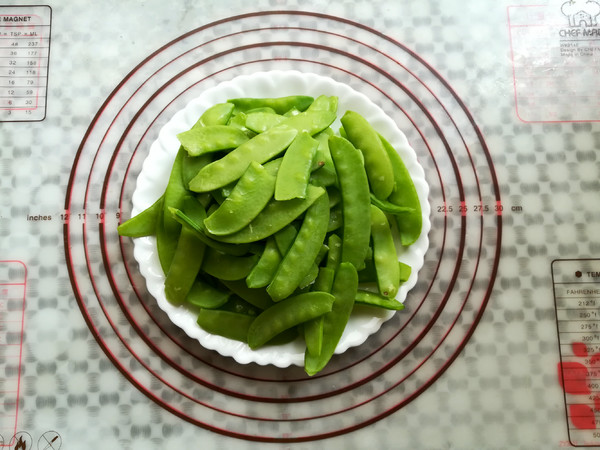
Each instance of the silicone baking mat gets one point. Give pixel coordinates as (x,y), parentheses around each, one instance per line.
(497,345)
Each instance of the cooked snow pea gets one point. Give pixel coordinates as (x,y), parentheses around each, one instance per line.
(302,254)
(256,297)
(197,225)
(230,167)
(204,295)
(312,122)
(365,297)
(313,329)
(293,174)
(264,270)
(144,223)
(226,266)
(260,121)
(385,256)
(324,103)
(175,193)
(228,324)
(344,290)
(287,314)
(247,199)
(405,271)
(166,243)
(354,186)
(404,194)
(336,219)
(323,168)
(210,139)
(284,238)
(279,104)
(184,267)
(218,114)
(239,121)
(389,207)
(275,216)
(377,162)
(334,255)
(192,165)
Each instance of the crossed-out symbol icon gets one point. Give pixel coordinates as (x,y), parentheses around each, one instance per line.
(50,440)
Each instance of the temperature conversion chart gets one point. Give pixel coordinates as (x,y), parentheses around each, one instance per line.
(577,300)
(24,55)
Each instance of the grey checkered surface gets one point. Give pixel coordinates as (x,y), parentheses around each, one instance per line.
(501,391)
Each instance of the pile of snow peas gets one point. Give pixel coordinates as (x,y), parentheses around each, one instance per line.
(273,225)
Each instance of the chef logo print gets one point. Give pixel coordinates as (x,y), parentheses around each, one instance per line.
(581,13)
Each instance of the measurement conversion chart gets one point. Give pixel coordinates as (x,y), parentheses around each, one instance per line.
(24,55)
(577,301)
(13,286)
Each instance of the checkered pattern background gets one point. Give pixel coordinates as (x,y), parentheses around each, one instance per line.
(501,392)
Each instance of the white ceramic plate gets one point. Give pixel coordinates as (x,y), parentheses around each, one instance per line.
(153,178)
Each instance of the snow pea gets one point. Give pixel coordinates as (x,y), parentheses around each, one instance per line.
(259,122)
(287,314)
(210,139)
(231,325)
(256,297)
(166,243)
(389,207)
(284,238)
(385,256)
(279,104)
(230,167)
(226,266)
(323,168)
(405,271)
(356,213)
(377,162)
(324,103)
(204,295)
(247,199)
(304,250)
(264,270)
(293,174)
(218,114)
(404,194)
(334,243)
(184,267)
(239,121)
(313,329)
(275,216)
(192,165)
(312,122)
(175,193)
(345,286)
(369,298)
(144,223)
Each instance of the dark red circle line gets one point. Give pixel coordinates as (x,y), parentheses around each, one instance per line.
(498,220)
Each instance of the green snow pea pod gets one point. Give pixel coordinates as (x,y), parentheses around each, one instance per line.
(336,218)
(241,306)
(210,139)
(405,271)
(204,295)
(377,162)
(389,207)
(259,122)
(385,256)
(227,267)
(144,223)
(313,329)
(304,250)
(354,186)
(264,270)
(294,171)
(256,297)
(369,298)
(345,286)
(166,243)
(218,114)
(275,216)
(184,267)
(323,168)
(247,199)
(175,193)
(192,165)
(196,223)
(231,325)
(312,122)
(334,255)
(324,103)
(239,121)
(230,167)
(279,104)
(404,194)
(287,314)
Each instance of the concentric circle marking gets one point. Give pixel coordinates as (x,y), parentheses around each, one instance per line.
(372,381)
